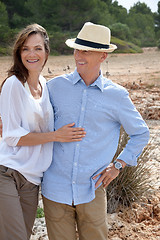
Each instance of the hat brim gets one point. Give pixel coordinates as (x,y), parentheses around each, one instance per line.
(71,43)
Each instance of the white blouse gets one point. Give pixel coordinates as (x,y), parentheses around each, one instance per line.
(22,114)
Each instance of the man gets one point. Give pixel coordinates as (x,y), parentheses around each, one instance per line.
(73,187)
(101,107)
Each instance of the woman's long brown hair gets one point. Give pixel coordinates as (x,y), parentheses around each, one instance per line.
(18,69)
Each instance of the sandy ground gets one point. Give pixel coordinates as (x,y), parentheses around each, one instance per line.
(140,74)
(120,67)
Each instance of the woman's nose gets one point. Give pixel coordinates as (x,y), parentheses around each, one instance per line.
(31,52)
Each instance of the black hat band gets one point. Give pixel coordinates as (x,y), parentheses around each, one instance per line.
(91,44)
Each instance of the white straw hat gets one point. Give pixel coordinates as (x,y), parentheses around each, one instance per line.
(92,37)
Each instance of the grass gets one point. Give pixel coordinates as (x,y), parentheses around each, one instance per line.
(40,213)
(125,47)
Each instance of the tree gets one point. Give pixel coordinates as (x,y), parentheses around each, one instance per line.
(141,23)
(157,22)
(121,31)
(16,7)
(68,16)
(3,15)
(3,23)
(101,14)
(108,2)
(119,12)
(140,8)
(61,15)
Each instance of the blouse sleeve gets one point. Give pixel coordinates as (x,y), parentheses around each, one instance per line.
(11,108)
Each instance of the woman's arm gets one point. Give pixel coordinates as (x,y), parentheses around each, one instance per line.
(66,133)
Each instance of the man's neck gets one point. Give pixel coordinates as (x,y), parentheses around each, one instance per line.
(89,79)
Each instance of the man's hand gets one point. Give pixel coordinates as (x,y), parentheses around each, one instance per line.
(0,127)
(108,175)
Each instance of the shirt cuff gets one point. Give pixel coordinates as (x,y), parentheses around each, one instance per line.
(128,157)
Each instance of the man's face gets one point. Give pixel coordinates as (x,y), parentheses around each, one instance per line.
(88,62)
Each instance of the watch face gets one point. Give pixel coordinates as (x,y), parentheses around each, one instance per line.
(118,165)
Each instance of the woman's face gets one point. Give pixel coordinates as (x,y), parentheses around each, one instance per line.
(33,54)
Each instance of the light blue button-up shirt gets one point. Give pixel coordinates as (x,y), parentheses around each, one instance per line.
(101,109)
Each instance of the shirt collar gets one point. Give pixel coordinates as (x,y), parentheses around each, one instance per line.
(99,81)
(76,77)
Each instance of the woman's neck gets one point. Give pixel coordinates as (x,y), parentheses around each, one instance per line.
(35,85)
(33,80)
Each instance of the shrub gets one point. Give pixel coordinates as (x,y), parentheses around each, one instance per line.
(121,31)
(132,182)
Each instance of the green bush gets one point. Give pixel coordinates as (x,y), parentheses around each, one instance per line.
(121,31)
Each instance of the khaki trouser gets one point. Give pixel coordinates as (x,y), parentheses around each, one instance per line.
(18,204)
(61,219)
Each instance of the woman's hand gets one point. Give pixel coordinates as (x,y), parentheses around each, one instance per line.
(68,133)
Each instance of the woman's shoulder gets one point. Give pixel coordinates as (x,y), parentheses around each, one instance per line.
(12,84)
(12,80)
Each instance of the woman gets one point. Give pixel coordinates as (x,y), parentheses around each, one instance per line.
(28,136)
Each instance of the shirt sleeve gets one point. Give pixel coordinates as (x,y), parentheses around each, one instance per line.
(11,109)
(135,127)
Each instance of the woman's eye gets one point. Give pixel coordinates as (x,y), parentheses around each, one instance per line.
(38,49)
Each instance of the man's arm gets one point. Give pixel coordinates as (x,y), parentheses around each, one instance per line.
(138,133)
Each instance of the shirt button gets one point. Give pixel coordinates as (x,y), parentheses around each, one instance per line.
(82,108)
(75,164)
(77,144)
(73,182)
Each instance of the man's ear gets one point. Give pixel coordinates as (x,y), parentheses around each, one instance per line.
(104,56)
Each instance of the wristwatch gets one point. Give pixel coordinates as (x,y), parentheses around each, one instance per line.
(118,165)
